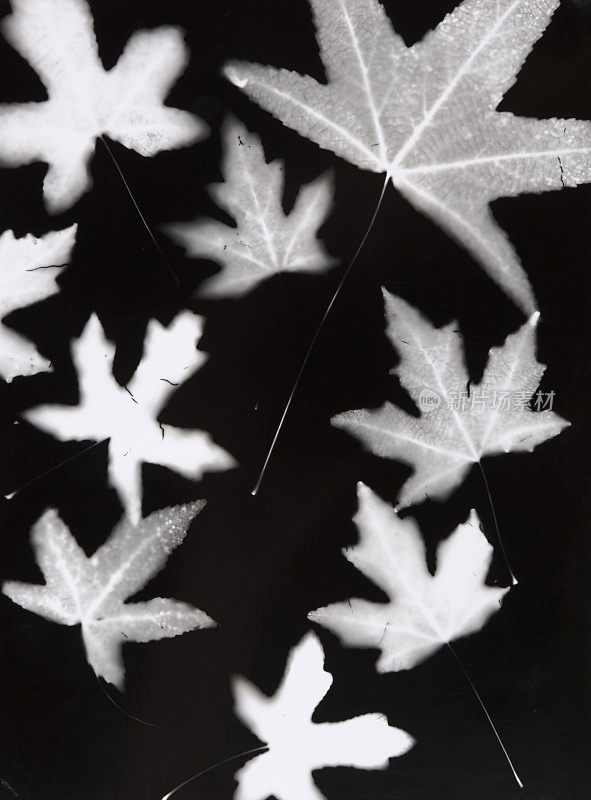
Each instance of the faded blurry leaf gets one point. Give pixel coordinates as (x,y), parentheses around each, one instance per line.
(126,103)
(297,746)
(127,415)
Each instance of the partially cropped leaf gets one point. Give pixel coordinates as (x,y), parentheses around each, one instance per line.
(91,592)
(28,269)
(265,240)
(297,746)
(424,611)
(426,115)
(458,426)
(126,103)
(127,415)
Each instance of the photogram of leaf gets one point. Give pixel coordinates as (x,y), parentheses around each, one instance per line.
(28,269)
(425,115)
(127,415)
(297,746)
(85,101)
(265,240)
(461,426)
(424,611)
(91,592)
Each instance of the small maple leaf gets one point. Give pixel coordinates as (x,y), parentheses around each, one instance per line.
(85,101)
(28,269)
(297,746)
(265,240)
(425,611)
(127,415)
(426,115)
(90,592)
(460,427)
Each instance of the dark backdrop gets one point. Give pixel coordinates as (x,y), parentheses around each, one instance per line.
(258,565)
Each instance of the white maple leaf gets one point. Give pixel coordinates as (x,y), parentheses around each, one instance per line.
(127,415)
(297,746)
(85,101)
(425,115)
(91,591)
(460,427)
(28,269)
(424,611)
(265,240)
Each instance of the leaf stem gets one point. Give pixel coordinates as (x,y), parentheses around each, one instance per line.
(488,716)
(53,469)
(214,766)
(139,211)
(514,580)
(316,335)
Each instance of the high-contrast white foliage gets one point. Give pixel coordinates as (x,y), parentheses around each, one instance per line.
(425,611)
(462,425)
(91,592)
(425,115)
(28,269)
(127,415)
(57,38)
(297,746)
(265,240)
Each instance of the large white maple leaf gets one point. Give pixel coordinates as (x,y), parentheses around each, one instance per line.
(91,592)
(297,746)
(265,240)
(85,101)
(28,269)
(424,611)
(425,115)
(457,426)
(127,415)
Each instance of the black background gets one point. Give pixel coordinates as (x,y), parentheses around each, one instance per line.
(258,565)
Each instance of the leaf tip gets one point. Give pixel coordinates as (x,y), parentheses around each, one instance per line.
(231,71)
(534,319)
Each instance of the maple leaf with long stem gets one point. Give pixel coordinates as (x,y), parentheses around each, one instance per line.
(85,101)
(457,427)
(424,612)
(29,267)
(426,115)
(265,240)
(91,591)
(127,415)
(297,746)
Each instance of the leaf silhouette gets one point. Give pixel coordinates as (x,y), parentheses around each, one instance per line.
(85,101)
(457,427)
(297,746)
(127,415)
(424,611)
(265,240)
(90,592)
(28,269)
(425,115)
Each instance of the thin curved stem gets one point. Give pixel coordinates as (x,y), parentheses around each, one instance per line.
(213,766)
(139,211)
(317,334)
(488,716)
(514,580)
(53,469)
(126,713)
